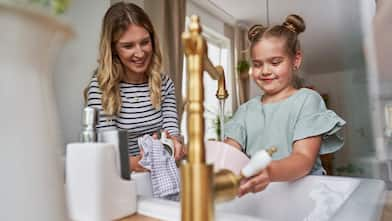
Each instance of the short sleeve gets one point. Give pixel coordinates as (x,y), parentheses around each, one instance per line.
(236,128)
(315,119)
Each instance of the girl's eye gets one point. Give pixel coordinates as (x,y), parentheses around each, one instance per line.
(257,65)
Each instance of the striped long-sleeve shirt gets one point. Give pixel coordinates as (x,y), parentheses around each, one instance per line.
(137,115)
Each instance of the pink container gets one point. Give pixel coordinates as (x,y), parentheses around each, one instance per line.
(225,156)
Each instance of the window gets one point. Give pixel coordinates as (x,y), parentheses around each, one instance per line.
(219,54)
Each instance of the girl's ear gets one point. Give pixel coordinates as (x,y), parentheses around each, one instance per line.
(297,59)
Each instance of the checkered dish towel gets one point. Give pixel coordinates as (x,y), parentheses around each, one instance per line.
(164,174)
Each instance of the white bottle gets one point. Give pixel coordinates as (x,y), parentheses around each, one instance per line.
(258,162)
(95,189)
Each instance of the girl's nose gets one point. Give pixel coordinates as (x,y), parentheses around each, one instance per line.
(265,71)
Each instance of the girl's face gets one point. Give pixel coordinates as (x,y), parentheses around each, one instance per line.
(134,49)
(273,67)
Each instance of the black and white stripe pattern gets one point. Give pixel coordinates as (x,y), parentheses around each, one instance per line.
(137,114)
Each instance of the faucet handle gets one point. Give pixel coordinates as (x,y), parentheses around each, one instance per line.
(258,162)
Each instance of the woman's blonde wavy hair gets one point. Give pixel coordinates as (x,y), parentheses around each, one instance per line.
(110,70)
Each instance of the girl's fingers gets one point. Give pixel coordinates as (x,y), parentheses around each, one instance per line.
(255,184)
(259,187)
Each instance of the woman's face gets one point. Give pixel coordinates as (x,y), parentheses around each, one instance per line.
(273,67)
(134,49)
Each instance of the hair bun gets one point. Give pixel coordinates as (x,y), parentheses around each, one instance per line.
(294,23)
(254,31)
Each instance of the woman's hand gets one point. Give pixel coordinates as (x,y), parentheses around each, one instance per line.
(255,184)
(179,150)
(134,163)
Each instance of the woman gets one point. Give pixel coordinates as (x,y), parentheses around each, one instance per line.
(128,88)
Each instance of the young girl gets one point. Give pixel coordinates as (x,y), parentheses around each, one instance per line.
(128,87)
(293,119)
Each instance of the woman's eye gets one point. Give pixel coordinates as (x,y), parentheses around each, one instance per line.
(146,42)
(127,46)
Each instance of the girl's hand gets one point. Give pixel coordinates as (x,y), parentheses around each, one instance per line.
(233,143)
(255,184)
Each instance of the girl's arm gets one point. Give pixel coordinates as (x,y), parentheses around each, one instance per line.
(296,165)
(233,143)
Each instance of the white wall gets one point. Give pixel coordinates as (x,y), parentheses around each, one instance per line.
(77,62)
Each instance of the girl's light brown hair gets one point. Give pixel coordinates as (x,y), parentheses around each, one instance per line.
(110,70)
(288,30)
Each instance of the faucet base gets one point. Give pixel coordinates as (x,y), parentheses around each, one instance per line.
(196,192)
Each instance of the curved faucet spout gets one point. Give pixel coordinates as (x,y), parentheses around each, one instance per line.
(216,73)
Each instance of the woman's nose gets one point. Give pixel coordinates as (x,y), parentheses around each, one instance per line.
(139,51)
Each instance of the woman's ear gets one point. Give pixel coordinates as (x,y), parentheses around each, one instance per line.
(297,59)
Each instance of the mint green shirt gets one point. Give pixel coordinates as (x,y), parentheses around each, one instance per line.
(259,126)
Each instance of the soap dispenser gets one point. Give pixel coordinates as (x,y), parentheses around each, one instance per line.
(95,188)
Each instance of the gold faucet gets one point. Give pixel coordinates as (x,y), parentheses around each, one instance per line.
(199,186)
(216,73)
